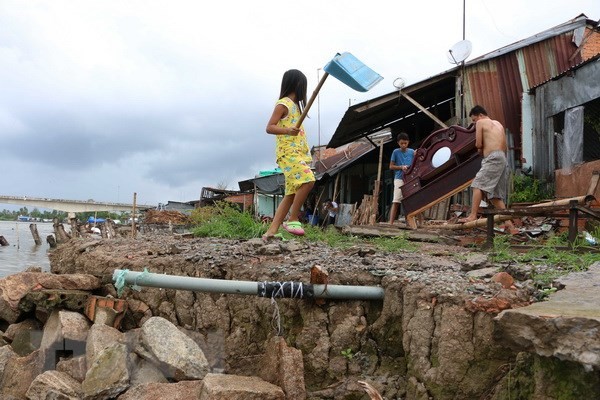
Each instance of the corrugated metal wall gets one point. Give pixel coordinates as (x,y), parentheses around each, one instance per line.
(497,84)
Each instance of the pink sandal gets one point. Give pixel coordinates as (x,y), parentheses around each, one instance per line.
(294,227)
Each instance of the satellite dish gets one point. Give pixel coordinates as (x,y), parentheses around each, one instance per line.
(459,52)
(399,83)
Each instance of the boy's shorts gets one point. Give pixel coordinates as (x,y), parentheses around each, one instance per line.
(397,191)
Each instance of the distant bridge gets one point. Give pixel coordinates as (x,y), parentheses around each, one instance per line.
(71,206)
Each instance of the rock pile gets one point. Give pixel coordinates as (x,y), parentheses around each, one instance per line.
(63,354)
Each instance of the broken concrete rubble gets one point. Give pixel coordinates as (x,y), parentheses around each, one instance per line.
(113,366)
(565,326)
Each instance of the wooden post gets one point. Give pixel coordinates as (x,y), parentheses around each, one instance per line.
(75,232)
(489,243)
(35,234)
(573,213)
(377,188)
(335,186)
(103,231)
(59,231)
(133,228)
(51,241)
(317,210)
(111,230)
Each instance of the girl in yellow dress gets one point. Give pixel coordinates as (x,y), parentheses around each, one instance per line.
(292,152)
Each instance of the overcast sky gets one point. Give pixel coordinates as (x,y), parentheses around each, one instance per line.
(101,99)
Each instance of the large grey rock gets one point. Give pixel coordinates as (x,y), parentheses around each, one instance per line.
(75,367)
(143,371)
(185,390)
(284,367)
(18,375)
(6,353)
(566,326)
(475,261)
(235,387)
(54,385)
(108,375)
(178,356)
(100,337)
(24,337)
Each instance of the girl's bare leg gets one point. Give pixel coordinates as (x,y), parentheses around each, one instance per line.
(299,199)
(280,214)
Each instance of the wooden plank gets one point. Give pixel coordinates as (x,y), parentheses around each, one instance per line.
(410,218)
(392,231)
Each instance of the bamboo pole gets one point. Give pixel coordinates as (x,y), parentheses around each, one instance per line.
(377,187)
(501,218)
(477,223)
(335,186)
(311,100)
(426,111)
(564,202)
(133,228)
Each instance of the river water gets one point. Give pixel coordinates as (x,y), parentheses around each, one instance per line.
(22,252)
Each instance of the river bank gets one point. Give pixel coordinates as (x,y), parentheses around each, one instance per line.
(432,336)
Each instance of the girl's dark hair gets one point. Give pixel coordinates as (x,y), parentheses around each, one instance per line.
(294,81)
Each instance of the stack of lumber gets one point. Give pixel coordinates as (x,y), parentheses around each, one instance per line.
(362,215)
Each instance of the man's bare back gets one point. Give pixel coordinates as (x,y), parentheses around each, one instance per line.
(489,135)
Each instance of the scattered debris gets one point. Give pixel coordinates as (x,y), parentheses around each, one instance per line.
(166,217)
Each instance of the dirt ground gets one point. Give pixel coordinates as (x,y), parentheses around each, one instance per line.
(443,268)
(431,285)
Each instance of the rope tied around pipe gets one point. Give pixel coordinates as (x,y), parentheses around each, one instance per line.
(291,290)
(120,281)
(294,290)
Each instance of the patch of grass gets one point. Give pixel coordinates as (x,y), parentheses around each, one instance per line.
(224,220)
(556,262)
(393,244)
(330,236)
(502,251)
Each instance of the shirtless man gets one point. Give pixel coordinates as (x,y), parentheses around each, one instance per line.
(492,177)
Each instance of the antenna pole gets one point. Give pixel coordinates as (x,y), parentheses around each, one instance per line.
(464,1)
(462,73)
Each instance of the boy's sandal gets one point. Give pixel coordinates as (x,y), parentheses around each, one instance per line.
(294,227)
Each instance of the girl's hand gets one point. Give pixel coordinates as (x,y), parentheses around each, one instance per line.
(293,131)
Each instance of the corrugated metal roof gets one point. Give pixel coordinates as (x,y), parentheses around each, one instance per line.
(596,58)
(495,80)
(345,156)
(580,21)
